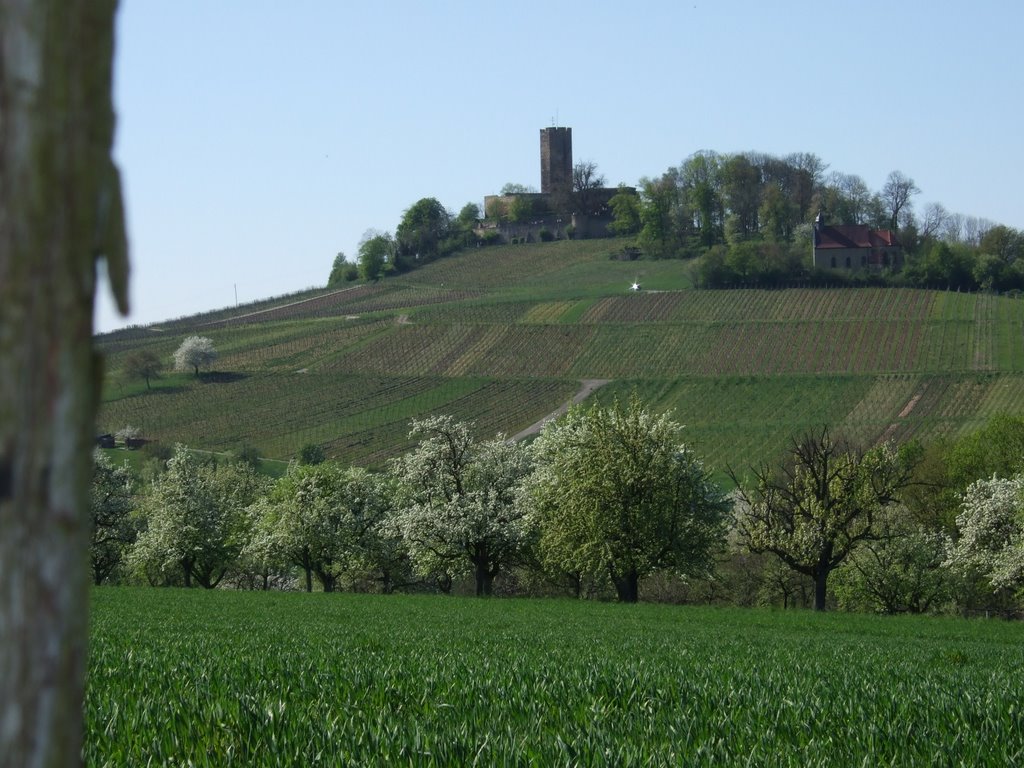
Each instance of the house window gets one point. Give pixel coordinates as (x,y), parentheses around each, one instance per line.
(833,262)
(847,262)
(863,259)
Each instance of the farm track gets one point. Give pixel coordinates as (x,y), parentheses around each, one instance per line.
(588,386)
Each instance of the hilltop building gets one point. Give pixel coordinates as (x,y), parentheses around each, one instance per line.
(851,247)
(558,210)
(555,160)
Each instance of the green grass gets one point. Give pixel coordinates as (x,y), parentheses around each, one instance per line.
(224,678)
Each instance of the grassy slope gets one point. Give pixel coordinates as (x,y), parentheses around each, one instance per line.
(504,335)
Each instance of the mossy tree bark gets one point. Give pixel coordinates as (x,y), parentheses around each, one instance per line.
(60,210)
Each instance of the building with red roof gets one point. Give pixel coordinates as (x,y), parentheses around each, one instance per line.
(853,247)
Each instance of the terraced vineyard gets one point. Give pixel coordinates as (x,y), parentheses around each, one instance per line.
(505,335)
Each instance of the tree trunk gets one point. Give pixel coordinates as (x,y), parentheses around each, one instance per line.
(484,579)
(628,587)
(820,582)
(327,580)
(60,209)
(309,579)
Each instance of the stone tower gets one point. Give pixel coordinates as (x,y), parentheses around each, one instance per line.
(555,160)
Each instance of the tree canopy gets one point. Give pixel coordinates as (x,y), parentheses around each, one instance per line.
(458,508)
(990,533)
(617,493)
(143,364)
(823,499)
(322,518)
(423,233)
(196,520)
(111,504)
(195,352)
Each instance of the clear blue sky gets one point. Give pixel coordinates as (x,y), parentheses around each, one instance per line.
(259,138)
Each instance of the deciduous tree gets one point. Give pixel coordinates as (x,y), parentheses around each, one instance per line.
(990,533)
(143,364)
(896,195)
(342,271)
(423,232)
(899,571)
(625,207)
(195,515)
(585,179)
(617,493)
(110,507)
(458,511)
(376,251)
(195,352)
(659,233)
(819,504)
(326,520)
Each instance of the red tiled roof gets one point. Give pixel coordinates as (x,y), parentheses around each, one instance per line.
(853,236)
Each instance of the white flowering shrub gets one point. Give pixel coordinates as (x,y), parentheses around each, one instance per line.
(990,528)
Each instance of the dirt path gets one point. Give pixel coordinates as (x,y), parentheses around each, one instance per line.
(891,429)
(587,386)
(259,312)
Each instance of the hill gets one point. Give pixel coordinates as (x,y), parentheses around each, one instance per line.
(506,335)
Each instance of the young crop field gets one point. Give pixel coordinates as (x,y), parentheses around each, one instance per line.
(186,677)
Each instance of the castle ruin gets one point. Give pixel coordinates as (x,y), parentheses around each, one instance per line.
(558,210)
(555,160)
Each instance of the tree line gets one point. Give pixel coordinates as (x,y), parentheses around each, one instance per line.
(604,503)
(747,216)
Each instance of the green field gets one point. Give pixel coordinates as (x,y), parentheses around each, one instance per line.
(230,678)
(505,335)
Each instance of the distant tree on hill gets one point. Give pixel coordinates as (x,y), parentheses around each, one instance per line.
(143,364)
(423,233)
(660,233)
(1005,243)
(512,188)
(311,453)
(524,208)
(195,352)
(896,195)
(469,215)
(376,252)
(585,179)
(342,271)
(626,212)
